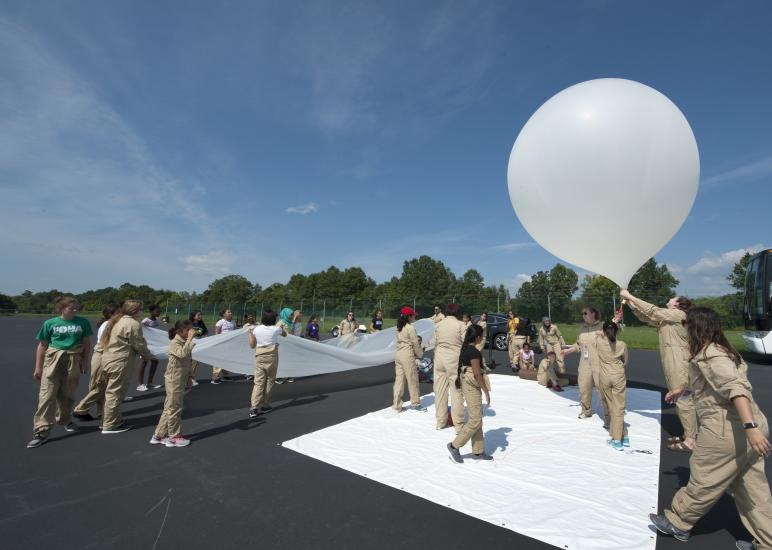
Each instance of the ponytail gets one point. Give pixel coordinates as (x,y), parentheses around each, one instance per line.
(472,334)
(401,322)
(130,308)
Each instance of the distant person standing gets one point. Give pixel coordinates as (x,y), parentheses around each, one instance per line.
(197,319)
(347,325)
(285,322)
(408,350)
(312,328)
(224,325)
(60,358)
(297,323)
(376,325)
(674,354)
(512,349)
(448,339)
(550,339)
(264,339)
(151,321)
(438,316)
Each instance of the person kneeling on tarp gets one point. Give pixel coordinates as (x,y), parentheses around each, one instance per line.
(264,339)
(526,357)
(470,381)
(546,375)
(177,380)
(731,442)
(612,357)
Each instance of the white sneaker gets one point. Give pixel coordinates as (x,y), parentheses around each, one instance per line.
(158,386)
(128,398)
(158,440)
(142,387)
(178,441)
(194,383)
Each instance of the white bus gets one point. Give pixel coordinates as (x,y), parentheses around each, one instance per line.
(758,302)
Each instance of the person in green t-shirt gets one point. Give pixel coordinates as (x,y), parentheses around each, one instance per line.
(60,358)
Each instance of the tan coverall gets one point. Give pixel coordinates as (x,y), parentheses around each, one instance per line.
(408,350)
(552,340)
(546,373)
(448,338)
(437,317)
(118,357)
(673,352)
(589,368)
(266,366)
(481,346)
(58,384)
(345,327)
(722,460)
(95,396)
(473,396)
(514,342)
(613,383)
(176,381)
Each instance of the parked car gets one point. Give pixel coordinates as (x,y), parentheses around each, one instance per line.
(362,329)
(497,332)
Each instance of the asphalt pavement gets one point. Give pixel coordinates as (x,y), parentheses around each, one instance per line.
(235,487)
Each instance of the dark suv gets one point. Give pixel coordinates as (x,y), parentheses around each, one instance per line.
(497,332)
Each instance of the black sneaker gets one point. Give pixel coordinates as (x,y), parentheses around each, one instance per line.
(745,545)
(483,456)
(37,441)
(71,427)
(119,429)
(455,454)
(664,526)
(266,409)
(254,413)
(83,416)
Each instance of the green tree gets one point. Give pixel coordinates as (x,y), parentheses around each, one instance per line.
(426,277)
(231,289)
(7,303)
(599,292)
(653,283)
(736,277)
(548,291)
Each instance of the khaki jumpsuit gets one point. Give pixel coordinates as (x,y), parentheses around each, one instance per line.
(118,357)
(722,460)
(481,348)
(589,367)
(266,366)
(552,340)
(345,327)
(176,381)
(408,350)
(58,384)
(514,342)
(473,396)
(448,338)
(437,317)
(612,357)
(673,352)
(95,396)
(546,373)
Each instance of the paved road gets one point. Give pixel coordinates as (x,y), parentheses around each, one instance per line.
(236,488)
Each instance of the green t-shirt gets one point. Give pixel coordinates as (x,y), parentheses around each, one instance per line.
(62,334)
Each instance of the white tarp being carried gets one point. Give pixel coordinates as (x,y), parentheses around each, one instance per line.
(297,356)
(553,478)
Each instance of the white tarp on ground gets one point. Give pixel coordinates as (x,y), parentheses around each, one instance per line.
(553,478)
(297,356)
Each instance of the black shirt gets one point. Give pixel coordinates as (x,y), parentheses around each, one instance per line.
(468,353)
(377,323)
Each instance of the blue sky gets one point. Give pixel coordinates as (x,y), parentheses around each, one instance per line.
(170,143)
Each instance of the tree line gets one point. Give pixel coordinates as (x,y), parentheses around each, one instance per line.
(423,282)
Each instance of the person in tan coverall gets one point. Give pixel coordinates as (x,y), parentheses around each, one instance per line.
(448,338)
(612,358)
(470,381)
(121,342)
(176,381)
(674,354)
(438,316)
(512,323)
(550,339)
(408,350)
(732,438)
(347,325)
(546,375)
(589,368)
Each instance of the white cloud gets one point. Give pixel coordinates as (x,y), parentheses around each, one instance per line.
(216,263)
(747,172)
(517,282)
(307,208)
(675,269)
(513,247)
(710,263)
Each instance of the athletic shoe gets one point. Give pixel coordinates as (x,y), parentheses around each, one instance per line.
(625,441)
(279,381)
(194,383)
(71,427)
(83,416)
(158,440)
(119,429)
(158,386)
(290,380)
(249,378)
(605,427)
(583,415)
(664,526)
(254,413)
(483,456)
(455,454)
(418,408)
(178,441)
(615,444)
(557,389)
(215,381)
(128,398)
(266,409)
(745,545)
(142,387)
(37,441)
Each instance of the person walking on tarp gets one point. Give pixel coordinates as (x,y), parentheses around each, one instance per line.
(589,368)
(405,371)
(732,438)
(61,357)
(470,381)
(612,359)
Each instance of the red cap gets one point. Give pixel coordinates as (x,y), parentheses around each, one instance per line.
(407,311)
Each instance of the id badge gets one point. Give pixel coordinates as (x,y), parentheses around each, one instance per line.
(586,352)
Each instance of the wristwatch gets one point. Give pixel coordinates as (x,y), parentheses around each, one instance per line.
(749,425)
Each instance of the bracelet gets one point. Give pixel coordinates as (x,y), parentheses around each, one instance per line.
(749,425)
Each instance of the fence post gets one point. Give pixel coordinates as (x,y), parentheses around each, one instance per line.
(414,298)
(498,302)
(324,309)
(301,304)
(549,306)
(261,309)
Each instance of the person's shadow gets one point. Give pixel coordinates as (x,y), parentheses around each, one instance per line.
(497,439)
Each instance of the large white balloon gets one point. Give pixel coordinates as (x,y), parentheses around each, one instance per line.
(604,174)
